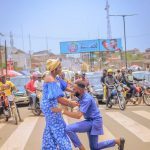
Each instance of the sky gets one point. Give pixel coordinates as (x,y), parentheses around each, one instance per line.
(48,22)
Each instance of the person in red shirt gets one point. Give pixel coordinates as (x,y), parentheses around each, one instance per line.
(31,89)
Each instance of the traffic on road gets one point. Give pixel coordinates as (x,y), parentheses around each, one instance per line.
(90,95)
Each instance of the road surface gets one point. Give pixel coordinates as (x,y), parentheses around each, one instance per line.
(133,124)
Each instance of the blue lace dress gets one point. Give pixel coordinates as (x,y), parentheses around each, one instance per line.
(54,136)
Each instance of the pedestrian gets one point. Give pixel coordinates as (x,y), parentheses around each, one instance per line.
(93,123)
(54,136)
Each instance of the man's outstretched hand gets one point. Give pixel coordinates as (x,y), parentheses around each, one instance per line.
(56,109)
(74,103)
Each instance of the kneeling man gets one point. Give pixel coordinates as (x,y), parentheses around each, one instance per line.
(93,123)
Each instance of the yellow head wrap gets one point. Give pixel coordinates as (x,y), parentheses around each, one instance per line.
(52,64)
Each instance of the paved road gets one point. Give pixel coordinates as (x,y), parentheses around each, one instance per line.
(133,124)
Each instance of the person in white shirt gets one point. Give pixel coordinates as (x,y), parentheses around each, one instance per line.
(39,86)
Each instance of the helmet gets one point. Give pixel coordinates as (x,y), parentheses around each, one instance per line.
(109,71)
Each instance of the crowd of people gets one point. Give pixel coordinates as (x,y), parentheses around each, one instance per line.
(50,88)
(124,77)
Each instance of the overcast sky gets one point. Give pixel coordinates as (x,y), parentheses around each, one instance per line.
(65,20)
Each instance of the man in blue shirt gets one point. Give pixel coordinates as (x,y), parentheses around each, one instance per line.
(92,125)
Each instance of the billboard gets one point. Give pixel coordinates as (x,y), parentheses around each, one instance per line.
(110,45)
(87,46)
(79,46)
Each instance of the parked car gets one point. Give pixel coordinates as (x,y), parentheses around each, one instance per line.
(21,95)
(96,85)
(143,75)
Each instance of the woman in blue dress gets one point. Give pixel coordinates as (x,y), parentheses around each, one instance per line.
(54,136)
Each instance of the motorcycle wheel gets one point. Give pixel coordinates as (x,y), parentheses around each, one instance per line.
(7,117)
(122,102)
(110,105)
(37,111)
(146,99)
(14,114)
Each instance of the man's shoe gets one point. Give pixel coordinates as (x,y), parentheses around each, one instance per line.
(122,141)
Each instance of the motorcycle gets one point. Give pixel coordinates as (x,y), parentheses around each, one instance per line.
(117,97)
(141,94)
(4,107)
(35,109)
(146,96)
(8,108)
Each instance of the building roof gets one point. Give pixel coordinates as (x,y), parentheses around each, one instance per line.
(44,52)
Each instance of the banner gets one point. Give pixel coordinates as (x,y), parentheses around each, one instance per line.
(87,46)
(110,45)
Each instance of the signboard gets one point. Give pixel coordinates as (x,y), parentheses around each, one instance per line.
(87,46)
(79,46)
(110,45)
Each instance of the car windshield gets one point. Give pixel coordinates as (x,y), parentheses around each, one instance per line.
(147,77)
(139,75)
(142,75)
(20,82)
(95,80)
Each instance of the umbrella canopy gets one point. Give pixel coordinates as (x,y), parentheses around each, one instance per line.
(11,73)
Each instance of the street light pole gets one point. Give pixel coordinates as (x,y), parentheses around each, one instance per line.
(125,42)
(125,39)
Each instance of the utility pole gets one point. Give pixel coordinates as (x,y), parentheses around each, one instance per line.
(1,66)
(22,38)
(30,50)
(108,20)
(6,57)
(1,62)
(11,46)
(125,39)
(109,36)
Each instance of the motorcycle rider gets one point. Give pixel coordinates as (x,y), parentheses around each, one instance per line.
(6,88)
(110,80)
(129,79)
(103,84)
(31,90)
(118,75)
(39,86)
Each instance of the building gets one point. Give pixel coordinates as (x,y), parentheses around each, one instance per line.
(147,54)
(20,58)
(39,59)
(17,57)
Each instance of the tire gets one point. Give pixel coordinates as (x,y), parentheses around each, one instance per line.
(109,105)
(7,117)
(37,111)
(122,102)
(146,99)
(14,114)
